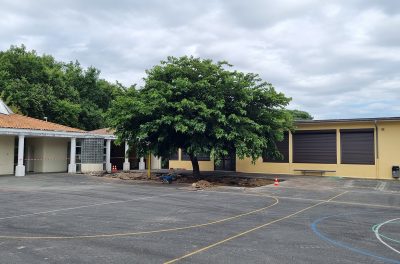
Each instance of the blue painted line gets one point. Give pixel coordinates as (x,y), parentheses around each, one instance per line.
(314,227)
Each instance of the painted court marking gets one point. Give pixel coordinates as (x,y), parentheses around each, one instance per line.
(314,200)
(314,227)
(250,230)
(83,206)
(381,186)
(276,201)
(379,236)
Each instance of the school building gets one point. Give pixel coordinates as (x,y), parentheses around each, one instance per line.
(29,145)
(359,148)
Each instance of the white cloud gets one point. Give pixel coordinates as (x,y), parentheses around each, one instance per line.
(338,59)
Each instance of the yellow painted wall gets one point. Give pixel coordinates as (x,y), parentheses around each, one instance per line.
(389,148)
(187,164)
(389,155)
(245,165)
(343,170)
(6,155)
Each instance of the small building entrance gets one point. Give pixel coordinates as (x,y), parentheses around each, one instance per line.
(227,163)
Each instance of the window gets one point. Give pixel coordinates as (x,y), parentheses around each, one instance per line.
(283,148)
(314,147)
(357,146)
(200,157)
(92,150)
(184,156)
(174,155)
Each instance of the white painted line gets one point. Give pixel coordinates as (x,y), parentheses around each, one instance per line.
(382,186)
(85,206)
(376,231)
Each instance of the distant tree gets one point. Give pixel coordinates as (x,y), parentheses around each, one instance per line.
(201,107)
(66,93)
(300,115)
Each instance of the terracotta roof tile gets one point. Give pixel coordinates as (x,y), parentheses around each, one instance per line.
(25,122)
(103,131)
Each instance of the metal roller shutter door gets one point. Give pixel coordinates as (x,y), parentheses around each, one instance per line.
(357,146)
(315,147)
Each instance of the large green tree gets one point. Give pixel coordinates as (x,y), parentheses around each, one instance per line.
(39,86)
(202,107)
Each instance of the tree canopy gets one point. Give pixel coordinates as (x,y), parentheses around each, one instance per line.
(202,107)
(65,93)
(300,115)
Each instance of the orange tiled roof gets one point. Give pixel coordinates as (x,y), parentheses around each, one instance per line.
(103,131)
(25,122)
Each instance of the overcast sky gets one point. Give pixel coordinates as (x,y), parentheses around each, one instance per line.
(336,59)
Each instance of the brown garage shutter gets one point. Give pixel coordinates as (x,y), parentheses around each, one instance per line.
(357,146)
(314,147)
(283,148)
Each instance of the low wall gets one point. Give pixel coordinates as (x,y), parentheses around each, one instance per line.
(89,167)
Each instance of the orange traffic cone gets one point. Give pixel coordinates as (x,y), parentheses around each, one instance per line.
(276,182)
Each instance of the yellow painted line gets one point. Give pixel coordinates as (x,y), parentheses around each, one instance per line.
(314,200)
(341,202)
(147,232)
(250,230)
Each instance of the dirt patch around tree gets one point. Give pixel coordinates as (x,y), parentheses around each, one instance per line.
(208,181)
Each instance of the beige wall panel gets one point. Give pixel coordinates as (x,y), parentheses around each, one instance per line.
(34,154)
(6,155)
(55,155)
(49,154)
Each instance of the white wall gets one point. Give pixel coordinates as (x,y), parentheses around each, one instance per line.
(35,145)
(55,155)
(50,154)
(6,155)
(89,167)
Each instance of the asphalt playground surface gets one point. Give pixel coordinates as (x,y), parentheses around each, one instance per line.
(60,218)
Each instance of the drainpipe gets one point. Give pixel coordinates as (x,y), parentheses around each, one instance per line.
(377,147)
(377,139)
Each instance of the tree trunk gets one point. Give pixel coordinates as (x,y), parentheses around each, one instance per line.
(195,166)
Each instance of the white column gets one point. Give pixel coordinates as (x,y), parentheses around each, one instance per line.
(20,168)
(72,162)
(142,165)
(108,155)
(159,163)
(155,162)
(127,165)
